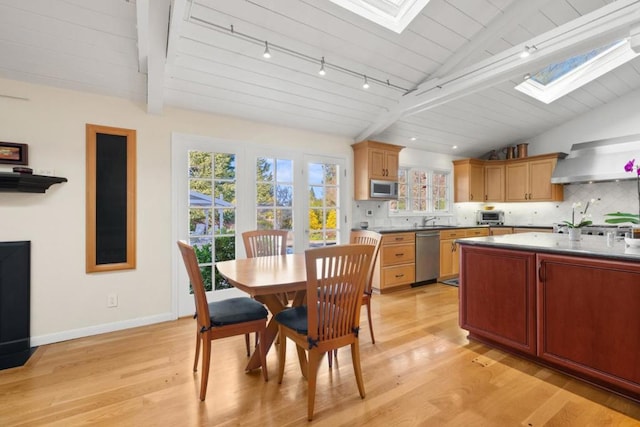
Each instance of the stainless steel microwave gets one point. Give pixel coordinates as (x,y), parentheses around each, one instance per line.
(384,189)
(490,217)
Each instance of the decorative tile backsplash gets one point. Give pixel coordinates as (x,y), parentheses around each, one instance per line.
(611,197)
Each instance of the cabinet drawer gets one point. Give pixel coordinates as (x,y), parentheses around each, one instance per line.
(400,275)
(398,238)
(398,254)
(452,234)
(476,232)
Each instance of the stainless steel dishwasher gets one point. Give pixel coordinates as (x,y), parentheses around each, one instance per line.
(427,256)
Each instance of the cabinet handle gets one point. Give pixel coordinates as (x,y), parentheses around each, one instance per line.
(453,247)
(525,196)
(402,254)
(541,272)
(530,196)
(486,197)
(470,196)
(399,276)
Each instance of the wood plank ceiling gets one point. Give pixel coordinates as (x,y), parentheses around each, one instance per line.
(456,63)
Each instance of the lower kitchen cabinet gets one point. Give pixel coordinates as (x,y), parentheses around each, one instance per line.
(396,265)
(497,301)
(517,230)
(449,256)
(500,231)
(588,317)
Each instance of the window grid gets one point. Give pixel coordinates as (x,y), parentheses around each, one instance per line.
(421,191)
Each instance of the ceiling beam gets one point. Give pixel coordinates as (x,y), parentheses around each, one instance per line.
(153,29)
(606,24)
(500,25)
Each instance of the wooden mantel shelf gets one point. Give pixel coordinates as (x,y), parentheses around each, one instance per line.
(27,183)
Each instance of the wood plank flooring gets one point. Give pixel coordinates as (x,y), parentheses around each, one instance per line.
(422,371)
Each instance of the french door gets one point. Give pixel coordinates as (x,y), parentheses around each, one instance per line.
(222,188)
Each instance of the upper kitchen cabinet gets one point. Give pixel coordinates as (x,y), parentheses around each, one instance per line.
(494,181)
(468,180)
(373,161)
(529,179)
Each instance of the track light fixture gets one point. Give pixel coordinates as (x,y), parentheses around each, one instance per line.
(528,50)
(526,76)
(365,85)
(324,65)
(267,53)
(322,72)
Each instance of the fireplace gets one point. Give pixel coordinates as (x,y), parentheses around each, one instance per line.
(15,278)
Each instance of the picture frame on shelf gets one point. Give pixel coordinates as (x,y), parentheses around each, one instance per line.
(12,153)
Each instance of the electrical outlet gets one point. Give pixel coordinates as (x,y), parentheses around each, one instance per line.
(369,212)
(112,300)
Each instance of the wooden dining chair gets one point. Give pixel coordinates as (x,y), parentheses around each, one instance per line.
(265,242)
(365,237)
(336,277)
(221,319)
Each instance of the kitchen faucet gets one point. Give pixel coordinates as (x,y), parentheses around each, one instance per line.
(425,220)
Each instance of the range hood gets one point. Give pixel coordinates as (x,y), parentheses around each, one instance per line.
(601,160)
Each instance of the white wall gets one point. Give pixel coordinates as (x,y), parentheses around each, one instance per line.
(65,301)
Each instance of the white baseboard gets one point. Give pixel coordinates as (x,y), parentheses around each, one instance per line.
(100,329)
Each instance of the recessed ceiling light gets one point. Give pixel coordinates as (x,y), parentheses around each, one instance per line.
(413,138)
(455,147)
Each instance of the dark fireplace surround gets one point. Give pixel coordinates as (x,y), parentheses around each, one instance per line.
(15,278)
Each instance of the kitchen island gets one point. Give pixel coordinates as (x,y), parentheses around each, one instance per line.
(572,306)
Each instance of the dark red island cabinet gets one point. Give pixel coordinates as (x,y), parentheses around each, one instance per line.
(498,301)
(589,318)
(576,314)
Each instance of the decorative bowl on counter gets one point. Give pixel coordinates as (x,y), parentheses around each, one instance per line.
(489,208)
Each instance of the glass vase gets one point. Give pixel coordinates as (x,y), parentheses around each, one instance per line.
(574,234)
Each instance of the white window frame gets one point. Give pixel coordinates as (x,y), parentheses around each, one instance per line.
(430,202)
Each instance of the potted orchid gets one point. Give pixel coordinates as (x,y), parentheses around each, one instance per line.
(574,226)
(620,217)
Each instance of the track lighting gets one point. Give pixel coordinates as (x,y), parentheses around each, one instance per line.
(528,50)
(267,53)
(526,76)
(231,31)
(322,72)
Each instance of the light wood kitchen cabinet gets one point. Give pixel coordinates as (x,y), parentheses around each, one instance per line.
(529,179)
(494,181)
(468,180)
(396,266)
(500,231)
(517,230)
(373,160)
(449,256)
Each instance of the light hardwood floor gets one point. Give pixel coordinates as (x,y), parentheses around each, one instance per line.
(421,371)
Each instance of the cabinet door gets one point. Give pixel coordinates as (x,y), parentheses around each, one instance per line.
(588,317)
(494,182)
(391,164)
(468,180)
(540,187)
(517,182)
(497,296)
(446,259)
(377,164)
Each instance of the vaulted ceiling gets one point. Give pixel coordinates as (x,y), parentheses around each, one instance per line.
(446,80)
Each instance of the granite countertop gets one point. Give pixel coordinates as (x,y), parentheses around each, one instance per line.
(590,246)
(409,228)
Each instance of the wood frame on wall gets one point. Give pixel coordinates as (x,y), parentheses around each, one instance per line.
(105,199)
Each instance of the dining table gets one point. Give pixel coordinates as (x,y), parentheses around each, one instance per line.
(266,279)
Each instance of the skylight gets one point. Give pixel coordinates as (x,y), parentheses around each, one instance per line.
(394,15)
(558,79)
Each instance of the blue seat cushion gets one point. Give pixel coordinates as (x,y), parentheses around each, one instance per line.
(236,310)
(294,318)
